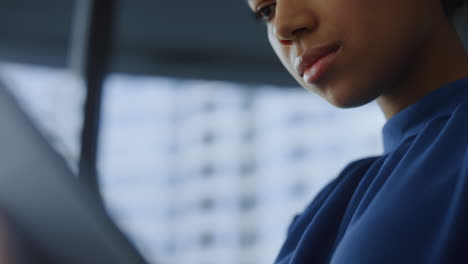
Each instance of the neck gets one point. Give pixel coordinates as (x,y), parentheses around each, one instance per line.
(442,60)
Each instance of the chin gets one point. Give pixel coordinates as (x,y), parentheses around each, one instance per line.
(343,95)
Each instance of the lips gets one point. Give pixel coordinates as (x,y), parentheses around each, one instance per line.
(309,58)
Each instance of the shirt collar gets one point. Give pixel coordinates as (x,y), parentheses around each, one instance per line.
(412,119)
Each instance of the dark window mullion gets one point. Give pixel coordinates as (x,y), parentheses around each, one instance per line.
(89,58)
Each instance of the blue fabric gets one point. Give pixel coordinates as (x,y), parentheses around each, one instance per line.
(409,205)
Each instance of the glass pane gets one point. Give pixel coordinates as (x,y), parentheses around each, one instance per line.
(35,32)
(33,59)
(209,40)
(212,172)
(53,98)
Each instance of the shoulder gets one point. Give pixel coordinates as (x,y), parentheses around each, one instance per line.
(459,116)
(351,173)
(440,146)
(343,185)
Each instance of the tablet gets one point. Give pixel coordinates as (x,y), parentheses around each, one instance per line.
(46,202)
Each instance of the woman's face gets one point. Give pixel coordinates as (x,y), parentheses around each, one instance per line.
(365,46)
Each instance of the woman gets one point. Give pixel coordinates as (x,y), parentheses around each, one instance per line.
(409,205)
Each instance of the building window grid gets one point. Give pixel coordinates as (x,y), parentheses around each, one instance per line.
(229,195)
(232,164)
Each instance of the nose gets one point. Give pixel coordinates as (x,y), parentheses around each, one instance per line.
(292,20)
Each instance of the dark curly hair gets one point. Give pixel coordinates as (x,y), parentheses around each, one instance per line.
(451,6)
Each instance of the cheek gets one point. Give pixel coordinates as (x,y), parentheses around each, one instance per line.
(379,39)
(282,52)
(277,48)
(273,43)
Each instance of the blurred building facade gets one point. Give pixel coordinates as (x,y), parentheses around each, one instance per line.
(201,171)
(213,172)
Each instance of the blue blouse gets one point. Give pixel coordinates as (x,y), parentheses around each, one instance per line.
(409,205)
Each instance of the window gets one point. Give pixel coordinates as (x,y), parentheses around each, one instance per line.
(200,171)
(192,169)
(33,60)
